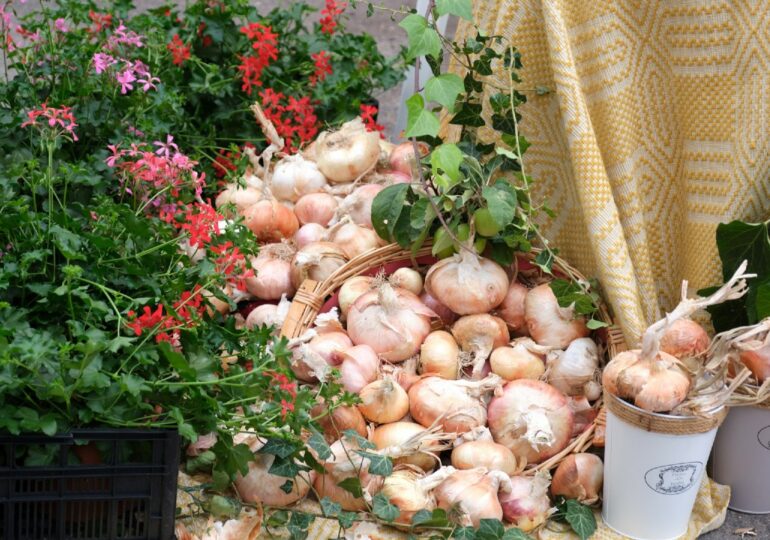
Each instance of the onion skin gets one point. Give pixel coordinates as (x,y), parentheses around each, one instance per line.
(401,489)
(474,491)
(347,154)
(523,402)
(316,208)
(350,291)
(309,233)
(548,323)
(270,221)
(294,177)
(440,355)
(408,279)
(487,454)
(433,399)
(355,240)
(512,309)
(272,278)
(758,362)
(336,470)
(570,370)
(446,315)
(359,367)
(264,315)
(516,362)
(383,401)
(241,197)
(527,505)
(467,284)
(325,346)
(340,420)
(402,157)
(480,335)
(396,434)
(579,476)
(684,339)
(358,205)
(316,261)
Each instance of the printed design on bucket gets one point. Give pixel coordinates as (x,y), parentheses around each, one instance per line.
(673,479)
(763,436)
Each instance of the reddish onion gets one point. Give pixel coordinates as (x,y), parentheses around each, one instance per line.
(512,309)
(684,339)
(402,157)
(467,284)
(316,208)
(270,221)
(580,477)
(527,505)
(548,323)
(446,315)
(474,493)
(309,234)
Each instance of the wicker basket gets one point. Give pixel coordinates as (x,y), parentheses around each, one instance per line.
(314,297)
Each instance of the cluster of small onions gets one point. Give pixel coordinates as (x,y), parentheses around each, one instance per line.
(312,211)
(433,360)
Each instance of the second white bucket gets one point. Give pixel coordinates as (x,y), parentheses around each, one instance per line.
(653,466)
(742,458)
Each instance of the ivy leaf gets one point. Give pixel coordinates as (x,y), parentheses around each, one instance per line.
(419,121)
(280,448)
(384,509)
(581,519)
(378,464)
(358,439)
(287,486)
(426,518)
(516,534)
(447,157)
(444,89)
(461,8)
(464,533)
(423,40)
(387,207)
(284,467)
(490,529)
(346,519)
(595,324)
(329,507)
(468,115)
(544,261)
(501,202)
(353,486)
(319,444)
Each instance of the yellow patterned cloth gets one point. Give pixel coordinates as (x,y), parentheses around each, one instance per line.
(654,130)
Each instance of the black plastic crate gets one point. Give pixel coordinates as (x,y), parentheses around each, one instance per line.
(91,484)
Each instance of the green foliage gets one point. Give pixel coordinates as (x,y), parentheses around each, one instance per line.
(579,516)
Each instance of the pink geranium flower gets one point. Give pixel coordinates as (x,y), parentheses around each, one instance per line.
(125,78)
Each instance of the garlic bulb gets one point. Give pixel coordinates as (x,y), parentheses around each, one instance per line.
(407,278)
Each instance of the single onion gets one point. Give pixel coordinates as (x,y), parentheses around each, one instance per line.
(340,420)
(467,284)
(408,279)
(240,197)
(271,278)
(512,309)
(358,205)
(351,289)
(532,419)
(519,360)
(358,367)
(270,220)
(269,315)
(398,433)
(348,153)
(353,239)
(316,208)
(758,361)
(479,335)
(456,405)
(392,321)
(446,315)
(527,505)
(316,261)
(345,463)
(402,157)
(309,233)
(548,323)
(580,477)
(388,177)
(440,355)
(571,370)
(311,361)
(259,486)
(383,401)
(474,494)
(294,176)
(484,453)
(684,339)
(410,491)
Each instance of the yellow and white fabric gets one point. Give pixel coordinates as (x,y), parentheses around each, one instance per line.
(654,130)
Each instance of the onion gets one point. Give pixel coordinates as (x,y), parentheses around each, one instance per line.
(392,321)
(270,221)
(346,463)
(359,367)
(532,419)
(473,493)
(309,234)
(202,443)
(548,323)
(294,176)
(580,477)
(758,361)
(520,360)
(456,405)
(315,208)
(398,433)
(316,261)
(584,413)
(217,305)
(571,370)
(352,239)
(340,420)
(402,157)
(479,335)
(440,355)
(259,486)
(656,385)
(271,268)
(410,491)
(684,339)
(351,289)
(467,284)
(484,453)
(527,505)
(347,154)
(358,205)
(311,361)
(241,197)
(383,401)
(388,178)
(268,315)
(408,279)
(446,315)
(512,308)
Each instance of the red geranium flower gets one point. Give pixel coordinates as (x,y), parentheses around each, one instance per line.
(179,51)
